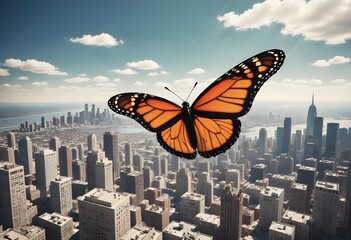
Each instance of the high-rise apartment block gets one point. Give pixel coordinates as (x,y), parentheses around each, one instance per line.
(271,206)
(132,182)
(61,195)
(103,174)
(302,223)
(26,155)
(183,183)
(111,151)
(46,170)
(65,161)
(191,204)
(103,215)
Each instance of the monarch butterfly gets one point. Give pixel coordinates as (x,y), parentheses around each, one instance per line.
(210,125)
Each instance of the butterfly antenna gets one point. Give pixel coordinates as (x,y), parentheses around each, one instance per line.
(174,93)
(191,91)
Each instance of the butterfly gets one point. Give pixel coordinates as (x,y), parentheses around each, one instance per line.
(209,126)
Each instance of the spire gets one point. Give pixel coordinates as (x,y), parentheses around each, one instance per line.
(313,98)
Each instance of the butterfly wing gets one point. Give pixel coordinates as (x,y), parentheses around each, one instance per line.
(159,115)
(232,94)
(217,108)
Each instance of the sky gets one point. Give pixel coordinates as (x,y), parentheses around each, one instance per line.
(88,51)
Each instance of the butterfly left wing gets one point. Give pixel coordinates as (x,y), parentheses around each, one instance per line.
(217,108)
(152,112)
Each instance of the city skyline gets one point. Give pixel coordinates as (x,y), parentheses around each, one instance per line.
(100,50)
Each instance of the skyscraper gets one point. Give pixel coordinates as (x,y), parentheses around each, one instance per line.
(312,113)
(65,161)
(133,182)
(175,163)
(128,154)
(332,139)
(190,205)
(325,209)
(92,158)
(262,142)
(318,136)
(79,170)
(271,206)
(54,144)
(279,140)
(347,223)
(156,165)
(13,207)
(231,211)
(11,140)
(183,183)
(205,186)
(92,142)
(86,111)
(103,215)
(111,151)
(26,155)
(103,174)
(61,195)
(138,162)
(46,170)
(286,135)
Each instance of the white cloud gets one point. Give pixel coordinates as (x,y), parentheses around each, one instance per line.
(144,65)
(330,61)
(162,84)
(40,84)
(23,78)
(153,74)
(338,81)
(4,72)
(6,85)
(139,83)
(100,79)
(82,75)
(196,71)
(76,80)
(163,72)
(185,82)
(127,71)
(105,84)
(34,66)
(317,20)
(301,82)
(101,40)
(116,80)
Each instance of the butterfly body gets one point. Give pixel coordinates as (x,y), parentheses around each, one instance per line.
(210,125)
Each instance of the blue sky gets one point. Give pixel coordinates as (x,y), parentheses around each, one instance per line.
(87,51)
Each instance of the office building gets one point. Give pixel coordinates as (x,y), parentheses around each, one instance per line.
(175,163)
(286,135)
(46,170)
(138,162)
(300,198)
(13,207)
(271,206)
(325,209)
(92,142)
(103,174)
(80,147)
(302,223)
(318,137)
(285,164)
(156,167)
(65,161)
(57,226)
(112,153)
(128,154)
(132,182)
(92,158)
(155,216)
(258,172)
(7,154)
(148,176)
(182,230)
(183,182)
(347,224)
(27,232)
(232,176)
(11,140)
(311,115)
(281,231)
(164,166)
(231,213)
(262,142)
(142,232)
(54,144)
(208,224)
(332,140)
(61,195)
(79,170)
(205,186)
(26,155)
(103,215)
(283,181)
(190,205)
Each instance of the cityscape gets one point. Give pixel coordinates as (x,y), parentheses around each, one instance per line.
(72,177)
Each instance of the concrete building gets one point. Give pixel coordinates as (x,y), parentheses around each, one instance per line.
(182,230)
(92,158)
(13,207)
(281,231)
(283,181)
(325,209)
(27,232)
(112,151)
(205,186)
(190,205)
(26,155)
(104,174)
(132,182)
(92,142)
(103,215)
(57,226)
(208,224)
(155,216)
(142,232)
(271,206)
(61,195)
(79,170)
(65,161)
(232,176)
(128,154)
(299,201)
(46,170)
(183,182)
(302,223)
(231,213)
(258,172)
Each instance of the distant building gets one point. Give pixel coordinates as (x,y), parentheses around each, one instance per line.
(258,172)
(205,186)
(11,140)
(103,215)
(156,165)
(190,205)
(311,115)
(262,142)
(54,144)
(138,162)
(112,152)
(128,154)
(283,181)
(92,158)
(57,226)
(79,170)
(46,170)
(26,155)
(286,135)
(175,163)
(61,195)
(13,207)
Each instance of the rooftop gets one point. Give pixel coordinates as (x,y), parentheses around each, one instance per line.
(283,228)
(55,218)
(296,217)
(209,218)
(193,196)
(272,192)
(327,185)
(103,197)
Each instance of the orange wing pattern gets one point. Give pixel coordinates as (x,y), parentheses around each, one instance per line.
(153,113)
(231,95)
(175,139)
(215,136)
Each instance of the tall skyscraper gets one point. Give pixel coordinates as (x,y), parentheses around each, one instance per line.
(65,161)
(13,209)
(138,162)
(325,209)
(312,113)
(79,170)
(93,113)
(7,154)
(318,136)
(262,142)
(164,166)
(61,195)
(54,144)
(232,176)
(286,135)
(332,140)
(11,140)
(271,206)
(279,140)
(183,183)
(128,154)
(80,147)
(92,158)
(156,165)
(347,224)
(190,205)
(103,215)
(148,176)
(132,182)
(103,174)
(175,163)
(92,142)
(231,213)
(205,186)
(46,170)
(86,111)
(26,155)
(111,150)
